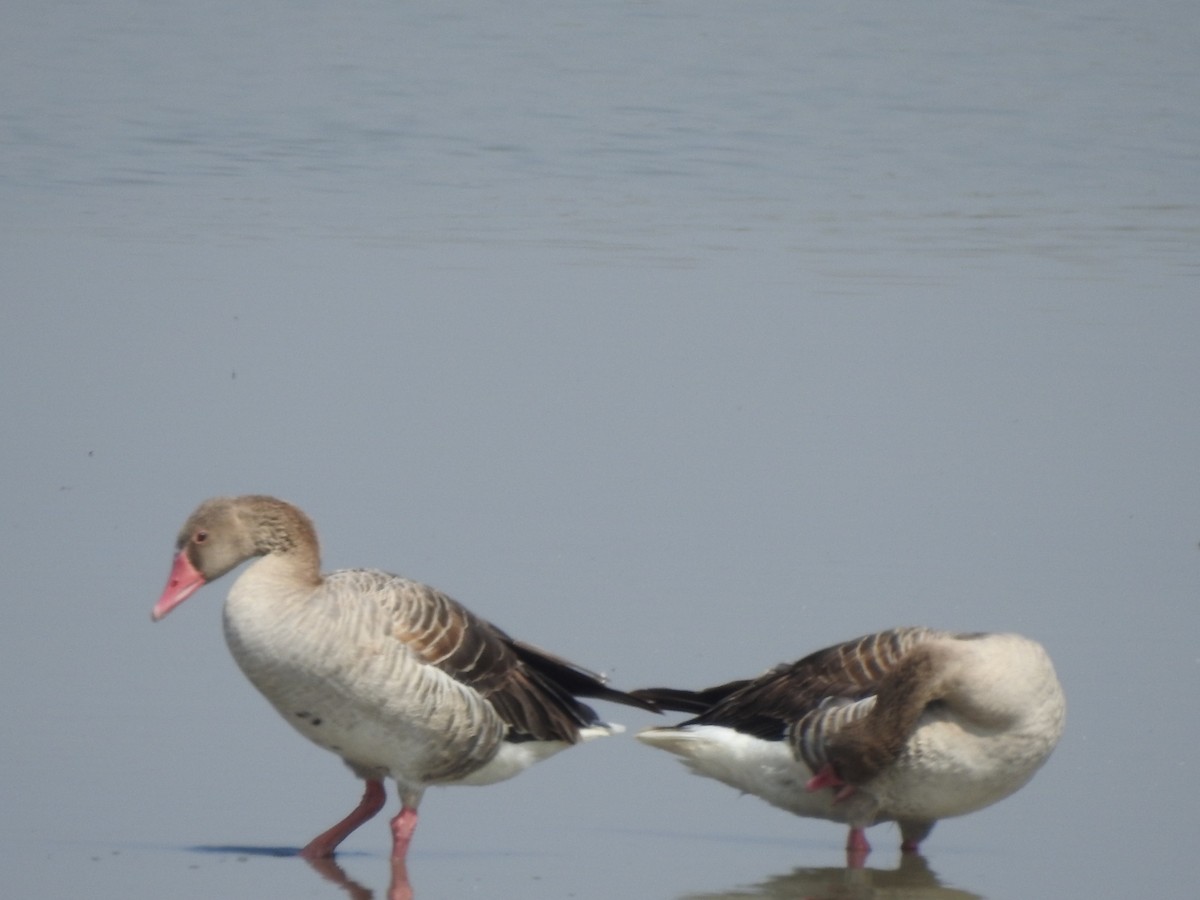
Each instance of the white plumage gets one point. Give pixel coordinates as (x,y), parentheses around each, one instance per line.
(910,725)
(395,677)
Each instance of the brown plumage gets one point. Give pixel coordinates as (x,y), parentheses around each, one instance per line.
(908,725)
(394,676)
(770,705)
(533,691)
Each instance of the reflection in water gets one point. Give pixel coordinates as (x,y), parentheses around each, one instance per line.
(241,850)
(329,870)
(912,880)
(399,888)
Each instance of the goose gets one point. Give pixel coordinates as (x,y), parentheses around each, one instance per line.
(395,677)
(909,725)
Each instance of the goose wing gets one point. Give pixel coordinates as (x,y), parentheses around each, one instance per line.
(771,704)
(534,692)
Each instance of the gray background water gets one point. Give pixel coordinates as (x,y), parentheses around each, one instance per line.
(680,338)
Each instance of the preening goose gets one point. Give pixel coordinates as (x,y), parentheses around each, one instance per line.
(909,725)
(395,677)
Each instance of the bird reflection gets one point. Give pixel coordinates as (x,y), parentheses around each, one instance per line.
(331,871)
(912,880)
(399,889)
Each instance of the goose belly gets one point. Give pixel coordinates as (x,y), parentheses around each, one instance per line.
(949,770)
(414,746)
(372,703)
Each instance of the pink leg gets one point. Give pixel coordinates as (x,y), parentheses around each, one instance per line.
(325,843)
(912,833)
(857,848)
(403,827)
(827,776)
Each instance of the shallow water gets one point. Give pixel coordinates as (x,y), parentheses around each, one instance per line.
(680,339)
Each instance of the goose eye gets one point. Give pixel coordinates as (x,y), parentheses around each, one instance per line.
(200,537)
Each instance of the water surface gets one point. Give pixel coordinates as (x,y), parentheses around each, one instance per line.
(681,339)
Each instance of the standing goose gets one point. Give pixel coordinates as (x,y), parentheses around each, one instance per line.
(396,678)
(909,725)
